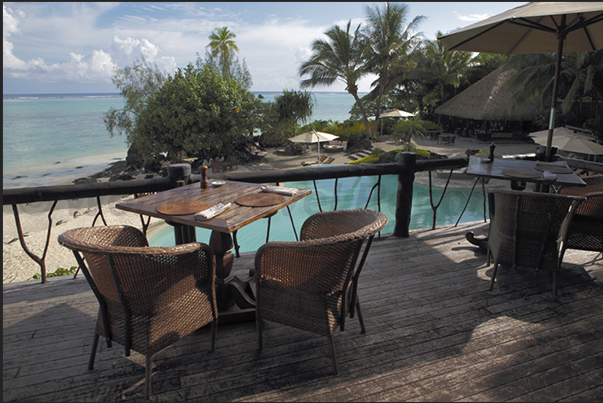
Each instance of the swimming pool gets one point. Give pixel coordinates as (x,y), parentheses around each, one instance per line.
(351,193)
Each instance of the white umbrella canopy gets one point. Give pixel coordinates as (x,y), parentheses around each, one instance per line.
(397,113)
(538,27)
(314,137)
(559,132)
(565,139)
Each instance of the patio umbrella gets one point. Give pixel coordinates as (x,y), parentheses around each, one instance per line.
(565,139)
(396,113)
(313,137)
(559,132)
(537,27)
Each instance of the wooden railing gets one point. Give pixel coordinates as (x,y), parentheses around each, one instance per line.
(405,167)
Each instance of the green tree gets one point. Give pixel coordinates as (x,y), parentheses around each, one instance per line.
(196,111)
(223,46)
(444,67)
(390,38)
(339,58)
(294,106)
(406,129)
(137,84)
(238,71)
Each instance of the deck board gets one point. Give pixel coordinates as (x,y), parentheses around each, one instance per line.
(434,333)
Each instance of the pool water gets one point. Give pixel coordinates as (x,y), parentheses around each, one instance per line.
(352,193)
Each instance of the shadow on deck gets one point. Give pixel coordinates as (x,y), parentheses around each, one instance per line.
(434,332)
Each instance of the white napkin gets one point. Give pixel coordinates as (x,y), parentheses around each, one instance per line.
(279,190)
(549,176)
(211,212)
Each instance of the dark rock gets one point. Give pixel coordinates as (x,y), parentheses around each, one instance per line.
(121,177)
(86,179)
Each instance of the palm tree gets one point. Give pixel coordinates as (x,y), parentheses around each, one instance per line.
(439,69)
(581,77)
(341,57)
(223,46)
(445,67)
(390,39)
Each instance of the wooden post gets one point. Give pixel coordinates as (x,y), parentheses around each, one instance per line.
(407,166)
(178,172)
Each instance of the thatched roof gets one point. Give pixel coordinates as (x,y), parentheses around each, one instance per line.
(490,99)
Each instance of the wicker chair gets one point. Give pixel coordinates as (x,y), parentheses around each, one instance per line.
(525,229)
(312,284)
(149,297)
(585,231)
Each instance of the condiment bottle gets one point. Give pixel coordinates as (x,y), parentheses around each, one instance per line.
(204,181)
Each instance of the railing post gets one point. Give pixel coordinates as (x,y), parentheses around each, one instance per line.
(179,172)
(407,166)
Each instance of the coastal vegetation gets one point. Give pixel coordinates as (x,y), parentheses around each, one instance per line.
(206,110)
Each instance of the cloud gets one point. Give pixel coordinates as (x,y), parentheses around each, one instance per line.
(94,66)
(472,17)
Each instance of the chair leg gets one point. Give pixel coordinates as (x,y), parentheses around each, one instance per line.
(493,276)
(93,351)
(333,357)
(147,378)
(258,326)
(214,330)
(360,319)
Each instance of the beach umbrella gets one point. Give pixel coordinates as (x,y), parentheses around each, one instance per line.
(559,132)
(312,137)
(537,27)
(396,113)
(565,139)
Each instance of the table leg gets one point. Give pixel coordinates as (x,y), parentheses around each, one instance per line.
(230,290)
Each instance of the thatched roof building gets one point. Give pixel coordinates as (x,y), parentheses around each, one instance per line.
(490,99)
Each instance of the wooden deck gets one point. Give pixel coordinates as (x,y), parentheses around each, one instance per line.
(434,332)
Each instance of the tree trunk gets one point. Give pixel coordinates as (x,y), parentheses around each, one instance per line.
(354,92)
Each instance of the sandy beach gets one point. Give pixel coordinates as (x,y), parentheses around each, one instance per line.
(18,266)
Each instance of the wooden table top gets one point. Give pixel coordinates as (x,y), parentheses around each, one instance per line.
(229,221)
(495,170)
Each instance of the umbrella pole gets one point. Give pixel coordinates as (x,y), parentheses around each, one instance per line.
(318,144)
(560,39)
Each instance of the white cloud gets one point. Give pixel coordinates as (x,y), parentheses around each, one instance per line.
(472,17)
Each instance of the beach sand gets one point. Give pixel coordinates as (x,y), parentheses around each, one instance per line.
(18,266)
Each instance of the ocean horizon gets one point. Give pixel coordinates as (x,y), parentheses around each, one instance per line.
(54,138)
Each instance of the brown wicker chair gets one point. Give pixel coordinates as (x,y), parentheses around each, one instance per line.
(149,297)
(525,229)
(312,284)
(585,231)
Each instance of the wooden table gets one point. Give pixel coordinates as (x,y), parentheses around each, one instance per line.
(523,170)
(230,289)
(499,168)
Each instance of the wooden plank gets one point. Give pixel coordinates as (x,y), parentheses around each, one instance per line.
(434,332)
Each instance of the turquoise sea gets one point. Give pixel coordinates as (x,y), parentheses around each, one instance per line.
(51,138)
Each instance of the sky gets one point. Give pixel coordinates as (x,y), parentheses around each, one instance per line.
(75,47)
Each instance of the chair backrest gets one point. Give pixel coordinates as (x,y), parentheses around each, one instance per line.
(358,223)
(129,277)
(593,205)
(525,227)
